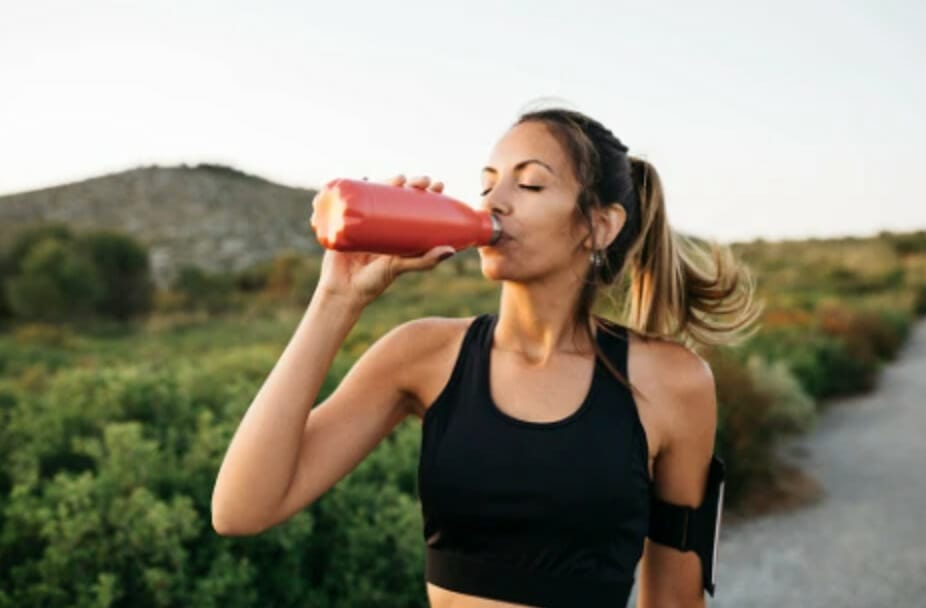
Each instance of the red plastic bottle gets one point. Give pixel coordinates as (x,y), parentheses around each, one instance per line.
(357,215)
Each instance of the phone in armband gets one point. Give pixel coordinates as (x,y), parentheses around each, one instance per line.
(693,529)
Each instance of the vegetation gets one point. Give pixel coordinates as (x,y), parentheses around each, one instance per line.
(51,274)
(113,425)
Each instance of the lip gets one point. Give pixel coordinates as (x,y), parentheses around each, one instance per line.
(504,238)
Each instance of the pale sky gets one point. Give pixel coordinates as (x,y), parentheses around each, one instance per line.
(774,119)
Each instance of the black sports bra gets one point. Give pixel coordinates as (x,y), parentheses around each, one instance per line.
(542,513)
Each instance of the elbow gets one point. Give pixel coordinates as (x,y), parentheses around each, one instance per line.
(226,524)
(227,516)
(223,528)
(226,528)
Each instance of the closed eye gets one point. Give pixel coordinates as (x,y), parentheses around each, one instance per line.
(525,186)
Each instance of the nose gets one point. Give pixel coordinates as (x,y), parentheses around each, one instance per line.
(493,202)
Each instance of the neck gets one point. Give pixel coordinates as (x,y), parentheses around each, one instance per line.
(536,322)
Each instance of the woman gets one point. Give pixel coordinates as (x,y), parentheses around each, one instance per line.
(528,498)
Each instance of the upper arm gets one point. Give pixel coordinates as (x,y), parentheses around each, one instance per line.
(668,576)
(368,403)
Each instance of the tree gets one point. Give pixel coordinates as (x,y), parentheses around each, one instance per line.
(125,273)
(56,281)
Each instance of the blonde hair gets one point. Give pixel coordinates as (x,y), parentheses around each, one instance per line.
(696,292)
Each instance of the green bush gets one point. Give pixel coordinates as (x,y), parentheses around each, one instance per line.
(745,434)
(827,368)
(56,281)
(51,274)
(282,274)
(837,350)
(211,292)
(305,281)
(906,244)
(103,533)
(29,237)
(109,472)
(254,278)
(759,401)
(124,269)
(793,410)
(12,257)
(886,330)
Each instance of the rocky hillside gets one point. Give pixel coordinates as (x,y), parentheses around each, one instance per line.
(210,216)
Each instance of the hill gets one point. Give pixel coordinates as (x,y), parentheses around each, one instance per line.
(211,216)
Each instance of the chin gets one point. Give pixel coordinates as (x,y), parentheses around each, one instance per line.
(493,268)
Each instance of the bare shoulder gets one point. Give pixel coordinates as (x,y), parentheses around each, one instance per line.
(682,374)
(678,383)
(433,344)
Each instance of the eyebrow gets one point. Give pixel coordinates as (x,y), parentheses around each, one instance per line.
(523,164)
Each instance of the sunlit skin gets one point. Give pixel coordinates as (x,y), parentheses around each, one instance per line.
(536,342)
(529,183)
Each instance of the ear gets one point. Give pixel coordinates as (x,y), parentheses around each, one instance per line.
(608,224)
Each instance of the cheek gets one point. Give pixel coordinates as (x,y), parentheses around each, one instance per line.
(547,217)
(556,232)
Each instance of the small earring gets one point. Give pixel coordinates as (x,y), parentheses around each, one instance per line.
(596,258)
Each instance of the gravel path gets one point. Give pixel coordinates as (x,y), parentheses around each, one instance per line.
(864,544)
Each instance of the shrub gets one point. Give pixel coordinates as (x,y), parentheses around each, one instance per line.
(745,434)
(111,473)
(886,331)
(29,237)
(125,272)
(306,280)
(793,410)
(835,350)
(44,334)
(826,367)
(253,278)
(12,258)
(212,292)
(50,274)
(282,274)
(56,282)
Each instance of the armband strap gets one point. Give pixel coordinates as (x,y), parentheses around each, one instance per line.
(693,529)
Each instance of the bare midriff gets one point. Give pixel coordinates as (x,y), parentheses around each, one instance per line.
(438,597)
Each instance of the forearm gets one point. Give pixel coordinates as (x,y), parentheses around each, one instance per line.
(261,459)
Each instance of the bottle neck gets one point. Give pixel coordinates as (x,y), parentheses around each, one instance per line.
(496,229)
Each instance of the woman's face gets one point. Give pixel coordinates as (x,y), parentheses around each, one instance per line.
(529,183)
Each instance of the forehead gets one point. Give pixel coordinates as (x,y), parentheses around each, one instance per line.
(528,140)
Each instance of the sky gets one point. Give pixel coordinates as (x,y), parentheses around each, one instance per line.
(764,119)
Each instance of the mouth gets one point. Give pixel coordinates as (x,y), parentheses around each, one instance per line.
(504,238)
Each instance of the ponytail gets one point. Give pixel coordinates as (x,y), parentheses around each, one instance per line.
(695,292)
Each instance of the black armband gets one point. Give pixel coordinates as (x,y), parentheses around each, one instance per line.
(693,529)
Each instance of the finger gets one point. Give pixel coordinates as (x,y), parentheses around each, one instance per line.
(424,262)
(420,181)
(437,187)
(397,180)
